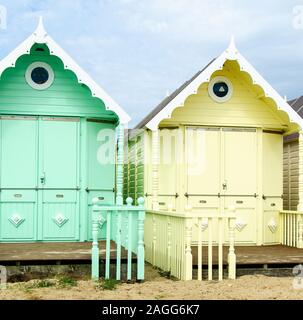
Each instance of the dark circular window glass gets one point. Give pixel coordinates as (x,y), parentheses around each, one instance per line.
(220,89)
(40,75)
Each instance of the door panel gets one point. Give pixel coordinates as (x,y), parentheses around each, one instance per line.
(101,169)
(18,152)
(18,215)
(18,212)
(203,157)
(240,177)
(222,172)
(101,155)
(272,185)
(60,215)
(59,153)
(240,161)
(168,168)
(18,221)
(59,165)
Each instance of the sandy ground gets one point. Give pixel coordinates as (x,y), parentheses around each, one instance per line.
(157,287)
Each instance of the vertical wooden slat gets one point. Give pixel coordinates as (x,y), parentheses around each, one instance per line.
(200,249)
(108,243)
(231,253)
(140,250)
(120,161)
(169,241)
(210,249)
(285,229)
(288,230)
(95,245)
(220,249)
(118,262)
(129,246)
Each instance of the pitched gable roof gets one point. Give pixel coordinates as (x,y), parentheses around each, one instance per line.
(177,99)
(168,99)
(297,105)
(42,37)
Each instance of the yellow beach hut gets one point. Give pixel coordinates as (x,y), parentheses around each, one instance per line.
(209,162)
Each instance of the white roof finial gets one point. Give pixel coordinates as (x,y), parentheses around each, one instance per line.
(232,51)
(40,33)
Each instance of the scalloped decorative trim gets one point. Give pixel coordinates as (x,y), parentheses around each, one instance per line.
(41,36)
(231,53)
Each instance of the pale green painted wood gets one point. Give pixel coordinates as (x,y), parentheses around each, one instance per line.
(108,241)
(129,240)
(124,226)
(54,148)
(95,247)
(101,170)
(101,139)
(18,153)
(140,251)
(118,241)
(84,196)
(120,158)
(60,153)
(65,97)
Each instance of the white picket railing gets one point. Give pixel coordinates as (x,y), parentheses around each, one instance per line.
(169,237)
(291,223)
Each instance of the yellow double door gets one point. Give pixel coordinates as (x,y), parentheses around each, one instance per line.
(222,173)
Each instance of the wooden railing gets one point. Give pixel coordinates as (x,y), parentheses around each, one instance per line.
(124,227)
(169,238)
(291,228)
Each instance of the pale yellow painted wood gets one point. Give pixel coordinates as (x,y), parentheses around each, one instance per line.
(200,249)
(210,249)
(155,169)
(245,108)
(220,249)
(231,252)
(300,204)
(203,161)
(259,200)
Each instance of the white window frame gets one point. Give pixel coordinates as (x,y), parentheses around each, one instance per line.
(34,85)
(211,91)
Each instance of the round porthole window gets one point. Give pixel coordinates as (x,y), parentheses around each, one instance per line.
(39,75)
(220,89)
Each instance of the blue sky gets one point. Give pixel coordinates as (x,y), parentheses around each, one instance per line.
(138,50)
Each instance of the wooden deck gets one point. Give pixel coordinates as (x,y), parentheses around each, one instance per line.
(81,252)
(255,255)
(52,252)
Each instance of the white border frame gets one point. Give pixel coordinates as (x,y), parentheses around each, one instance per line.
(33,84)
(213,95)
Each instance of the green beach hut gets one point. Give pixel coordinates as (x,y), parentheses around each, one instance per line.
(58,143)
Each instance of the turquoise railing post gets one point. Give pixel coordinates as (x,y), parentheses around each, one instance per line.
(95,246)
(129,202)
(125,228)
(120,162)
(108,244)
(140,251)
(118,240)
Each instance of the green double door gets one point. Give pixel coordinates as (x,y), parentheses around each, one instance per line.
(39,179)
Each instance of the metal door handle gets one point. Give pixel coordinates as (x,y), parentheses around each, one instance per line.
(224,185)
(42,178)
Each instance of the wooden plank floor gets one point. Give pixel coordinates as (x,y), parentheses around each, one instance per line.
(261,255)
(10,252)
